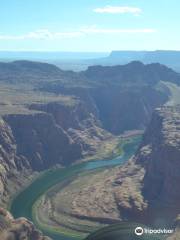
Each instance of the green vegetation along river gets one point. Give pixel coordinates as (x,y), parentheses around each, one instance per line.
(22,205)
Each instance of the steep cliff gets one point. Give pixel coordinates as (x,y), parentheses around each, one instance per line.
(10,163)
(48,135)
(7,153)
(123,96)
(126,95)
(80,122)
(160,156)
(123,109)
(41,141)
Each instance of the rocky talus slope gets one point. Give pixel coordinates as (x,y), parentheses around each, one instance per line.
(21,229)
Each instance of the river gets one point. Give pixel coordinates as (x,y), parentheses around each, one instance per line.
(22,204)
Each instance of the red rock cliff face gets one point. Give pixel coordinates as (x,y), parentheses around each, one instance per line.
(79,122)
(9,161)
(32,142)
(160,154)
(76,116)
(120,108)
(42,141)
(124,108)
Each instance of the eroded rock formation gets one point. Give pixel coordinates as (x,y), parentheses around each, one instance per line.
(21,229)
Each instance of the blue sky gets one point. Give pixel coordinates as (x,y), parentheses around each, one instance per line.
(89,25)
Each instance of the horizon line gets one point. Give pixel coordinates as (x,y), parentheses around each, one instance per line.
(59,51)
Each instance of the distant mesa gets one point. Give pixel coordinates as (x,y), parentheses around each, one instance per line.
(169,58)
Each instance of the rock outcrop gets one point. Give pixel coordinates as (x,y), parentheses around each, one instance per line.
(41,141)
(160,155)
(80,122)
(21,229)
(9,161)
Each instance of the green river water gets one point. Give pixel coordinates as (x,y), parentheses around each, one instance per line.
(23,203)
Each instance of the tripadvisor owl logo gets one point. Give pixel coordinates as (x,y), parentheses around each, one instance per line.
(139,231)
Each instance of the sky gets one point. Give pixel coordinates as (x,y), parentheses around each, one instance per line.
(89,25)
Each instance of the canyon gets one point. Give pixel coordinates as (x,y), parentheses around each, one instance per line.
(55,118)
(127,185)
(144,190)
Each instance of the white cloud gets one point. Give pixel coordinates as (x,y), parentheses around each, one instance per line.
(42,34)
(96,30)
(45,34)
(118,10)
